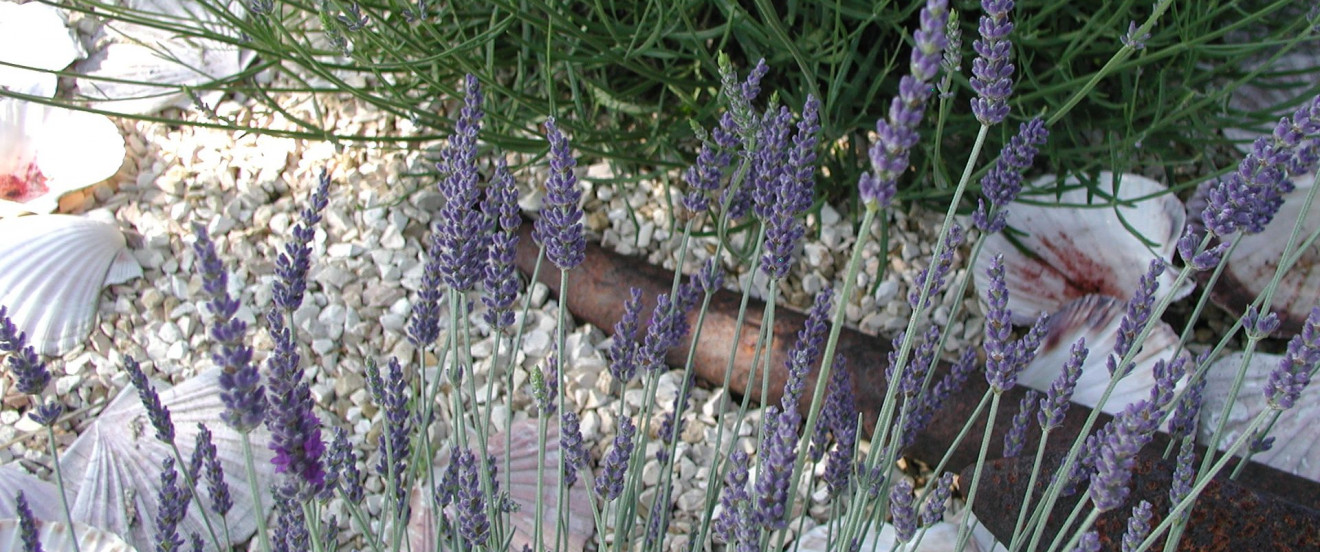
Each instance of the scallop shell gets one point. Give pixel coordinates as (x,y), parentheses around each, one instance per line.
(940,537)
(1279,90)
(34,35)
(1297,437)
(153,62)
(47,151)
(56,537)
(52,269)
(1096,318)
(43,498)
(521,485)
(1252,264)
(113,468)
(1070,251)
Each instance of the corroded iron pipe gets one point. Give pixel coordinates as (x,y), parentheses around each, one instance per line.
(599,287)
(1226,517)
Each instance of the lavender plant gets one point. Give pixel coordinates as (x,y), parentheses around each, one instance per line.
(756,162)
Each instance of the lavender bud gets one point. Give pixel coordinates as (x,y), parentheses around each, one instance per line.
(570,445)
(734,518)
(1057,398)
(933,510)
(1294,372)
(777,455)
(624,349)
(1090,542)
(1137,315)
(900,506)
(501,280)
(27,526)
(29,372)
(1138,526)
(1132,39)
(462,245)
(1017,433)
(998,349)
(473,525)
(940,269)
(292,264)
(1183,476)
(559,229)
(204,453)
(157,413)
(240,384)
(991,69)
(1004,181)
(951,63)
(173,506)
(1261,326)
(1131,430)
(898,133)
(609,484)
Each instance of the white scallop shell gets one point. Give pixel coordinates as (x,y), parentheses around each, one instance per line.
(154,62)
(42,497)
(1290,79)
(113,468)
(1096,318)
(1072,250)
(52,269)
(1253,263)
(940,537)
(61,149)
(34,35)
(1297,436)
(521,485)
(56,537)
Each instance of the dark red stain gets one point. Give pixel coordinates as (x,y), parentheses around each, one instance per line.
(21,188)
(1081,274)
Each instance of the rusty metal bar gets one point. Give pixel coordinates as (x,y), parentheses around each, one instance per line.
(600,286)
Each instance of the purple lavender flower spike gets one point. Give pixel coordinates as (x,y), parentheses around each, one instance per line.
(29,372)
(1138,313)
(991,70)
(933,510)
(473,525)
(951,63)
(624,349)
(609,484)
(806,350)
(173,506)
(424,323)
(27,526)
(559,229)
(1004,181)
(295,429)
(1294,372)
(1186,413)
(940,267)
(1205,260)
(1090,542)
(667,327)
(769,160)
(398,427)
(1016,437)
(777,455)
(204,456)
(501,281)
(570,445)
(1248,198)
(292,264)
(1138,526)
(1131,430)
(839,412)
(786,188)
(671,424)
(157,413)
(711,277)
(462,246)
(898,133)
(998,349)
(1183,476)
(900,506)
(1058,397)
(734,500)
(242,392)
(704,177)
(1260,325)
